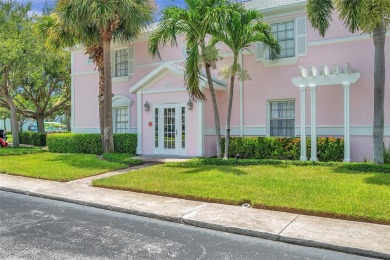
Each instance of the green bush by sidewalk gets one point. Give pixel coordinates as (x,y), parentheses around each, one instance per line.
(89,143)
(284,148)
(32,138)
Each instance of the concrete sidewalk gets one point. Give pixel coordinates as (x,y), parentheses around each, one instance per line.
(347,236)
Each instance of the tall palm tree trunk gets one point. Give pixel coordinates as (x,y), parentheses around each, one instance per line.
(379,36)
(101,100)
(230,105)
(108,140)
(215,108)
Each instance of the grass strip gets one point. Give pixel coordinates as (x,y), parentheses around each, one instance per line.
(311,189)
(57,167)
(19,151)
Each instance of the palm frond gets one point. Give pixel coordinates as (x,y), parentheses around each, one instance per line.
(193,70)
(351,12)
(320,14)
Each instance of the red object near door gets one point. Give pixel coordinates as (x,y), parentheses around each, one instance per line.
(150,124)
(3,143)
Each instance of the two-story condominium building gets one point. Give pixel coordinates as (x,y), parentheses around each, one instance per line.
(318,87)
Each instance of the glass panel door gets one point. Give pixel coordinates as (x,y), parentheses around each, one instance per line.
(170,128)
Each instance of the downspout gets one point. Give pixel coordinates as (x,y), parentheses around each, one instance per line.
(241,85)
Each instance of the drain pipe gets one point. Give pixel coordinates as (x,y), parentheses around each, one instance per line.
(241,85)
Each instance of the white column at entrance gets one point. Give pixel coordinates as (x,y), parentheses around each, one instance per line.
(347,145)
(200,150)
(313,93)
(139,122)
(303,123)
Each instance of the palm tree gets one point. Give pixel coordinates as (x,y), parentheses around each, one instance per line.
(193,22)
(59,36)
(369,16)
(238,30)
(110,20)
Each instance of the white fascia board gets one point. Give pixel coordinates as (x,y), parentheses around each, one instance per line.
(159,70)
(330,80)
(284,10)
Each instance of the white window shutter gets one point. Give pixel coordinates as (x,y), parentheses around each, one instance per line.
(300,36)
(131,61)
(260,51)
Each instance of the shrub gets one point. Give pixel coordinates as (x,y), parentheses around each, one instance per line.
(123,158)
(284,148)
(32,138)
(89,143)
(125,143)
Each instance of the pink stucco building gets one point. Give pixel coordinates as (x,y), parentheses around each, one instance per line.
(320,86)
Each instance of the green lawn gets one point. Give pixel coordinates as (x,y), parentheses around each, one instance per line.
(318,190)
(58,167)
(19,151)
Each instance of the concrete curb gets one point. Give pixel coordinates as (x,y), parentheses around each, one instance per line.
(182,219)
(95,205)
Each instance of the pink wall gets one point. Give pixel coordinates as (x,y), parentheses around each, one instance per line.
(266,84)
(86,102)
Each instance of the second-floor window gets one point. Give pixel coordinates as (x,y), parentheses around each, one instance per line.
(123,62)
(292,37)
(285,34)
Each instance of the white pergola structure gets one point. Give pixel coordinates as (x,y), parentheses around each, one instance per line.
(313,78)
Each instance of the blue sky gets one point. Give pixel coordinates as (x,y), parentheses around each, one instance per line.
(37,4)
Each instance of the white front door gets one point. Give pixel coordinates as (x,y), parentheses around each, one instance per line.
(170,130)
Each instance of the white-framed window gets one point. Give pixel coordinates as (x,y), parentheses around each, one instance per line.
(123,62)
(282,118)
(292,39)
(121,122)
(285,34)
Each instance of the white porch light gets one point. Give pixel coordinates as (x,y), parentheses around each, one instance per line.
(313,78)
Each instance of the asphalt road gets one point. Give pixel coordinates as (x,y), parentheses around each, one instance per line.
(36,228)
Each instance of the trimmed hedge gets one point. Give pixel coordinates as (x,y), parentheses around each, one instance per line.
(32,138)
(89,143)
(284,148)
(357,167)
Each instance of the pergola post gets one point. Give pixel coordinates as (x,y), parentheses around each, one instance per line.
(313,92)
(303,123)
(314,78)
(347,142)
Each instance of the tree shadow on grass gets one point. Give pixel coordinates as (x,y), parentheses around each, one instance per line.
(379,179)
(81,161)
(202,169)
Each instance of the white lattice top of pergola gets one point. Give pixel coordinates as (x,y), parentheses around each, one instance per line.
(313,78)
